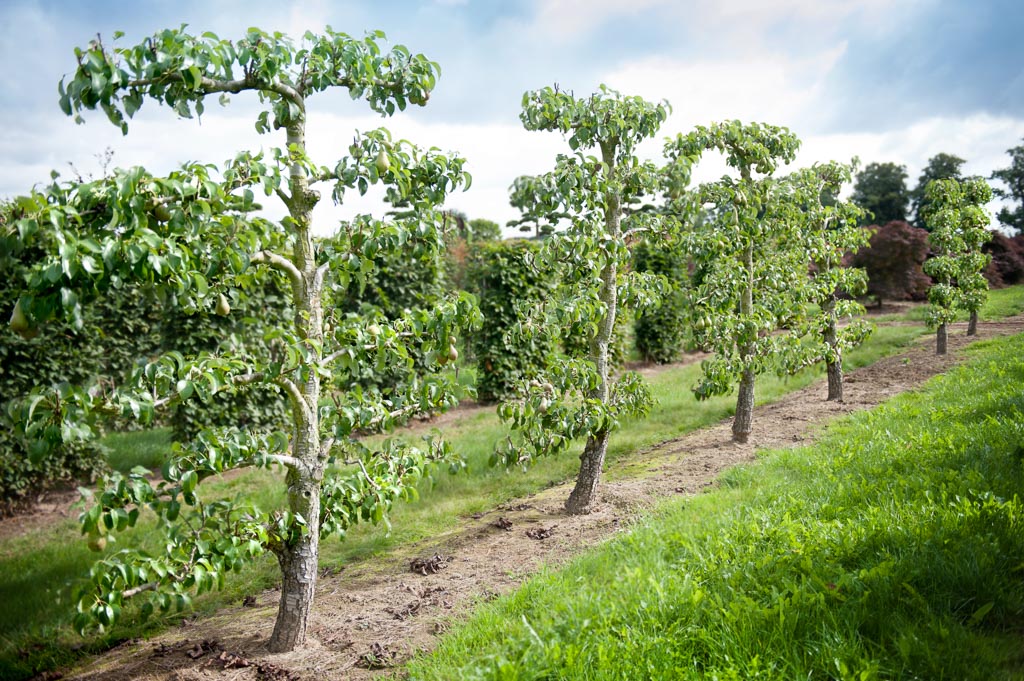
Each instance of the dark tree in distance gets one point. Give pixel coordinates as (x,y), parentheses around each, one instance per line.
(1012,190)
(482,229)
(881,190)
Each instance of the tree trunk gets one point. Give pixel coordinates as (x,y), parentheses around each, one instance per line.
(972,326)
(584,494)
(940,340)
(299,564)
(834,367)
(743,422)
(581,500)
(299,558)
(835,381)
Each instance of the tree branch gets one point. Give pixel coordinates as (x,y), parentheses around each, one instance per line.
(366,474)
(321,272)
(295,394)
(151,586)
(209,86)
(280,262)
(290,461)
(285,199)
(404,411)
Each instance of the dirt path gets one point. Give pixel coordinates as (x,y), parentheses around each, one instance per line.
(380,612)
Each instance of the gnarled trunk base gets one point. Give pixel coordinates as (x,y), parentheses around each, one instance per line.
(591,462)
(941,337)
(743,422)
(299,571)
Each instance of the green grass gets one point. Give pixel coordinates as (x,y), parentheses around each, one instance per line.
(892,549)
(1004,302)
(37,568)
(148,448)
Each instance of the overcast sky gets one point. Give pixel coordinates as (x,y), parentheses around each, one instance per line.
(885,80)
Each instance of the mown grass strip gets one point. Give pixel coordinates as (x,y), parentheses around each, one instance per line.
(892,549)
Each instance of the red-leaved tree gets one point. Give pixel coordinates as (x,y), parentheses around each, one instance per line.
(893,261)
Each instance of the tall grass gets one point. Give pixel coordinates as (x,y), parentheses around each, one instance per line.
(892,549)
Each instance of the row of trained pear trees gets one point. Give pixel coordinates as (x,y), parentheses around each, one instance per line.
(765,251)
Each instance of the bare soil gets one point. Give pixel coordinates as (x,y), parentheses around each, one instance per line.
(378,613)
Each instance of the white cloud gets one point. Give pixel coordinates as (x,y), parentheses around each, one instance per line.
(567,20)
(786,90)
(773,88)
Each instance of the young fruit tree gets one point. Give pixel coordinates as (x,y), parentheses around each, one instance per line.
(750,259)
(830,233)
(194,236)
(536,198)
(959,228)
(577,397)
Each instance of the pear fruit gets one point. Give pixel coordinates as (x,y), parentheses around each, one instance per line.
(97,543)
(381,163)
(223,306)
(19,323)
(161,212)
(453,354)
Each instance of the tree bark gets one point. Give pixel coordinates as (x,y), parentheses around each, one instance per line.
(299,558)
(584,494)
(940,340)
(582,498)
(972,325)
(835,381)
(743,422)
(834,368)
(299,564)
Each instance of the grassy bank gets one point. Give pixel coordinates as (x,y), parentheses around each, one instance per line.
(892,549)
(37,567)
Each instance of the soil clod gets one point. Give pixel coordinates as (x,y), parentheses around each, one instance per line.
(540,532)
(406,611)
(204,647)
(431,565)
(377,657)
(502,523)
(264,670)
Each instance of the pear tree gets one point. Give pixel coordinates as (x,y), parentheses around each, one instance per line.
(830,232)
(958,226)
(196,236)
(750,262)
(578,397)
(536,198)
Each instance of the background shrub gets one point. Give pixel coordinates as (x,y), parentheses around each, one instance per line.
(501,276)
(661,332)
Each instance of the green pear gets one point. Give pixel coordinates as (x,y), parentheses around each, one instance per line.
(223,306)
(382,163)
(19,323)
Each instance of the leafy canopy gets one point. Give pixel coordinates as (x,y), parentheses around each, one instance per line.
(196,237)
